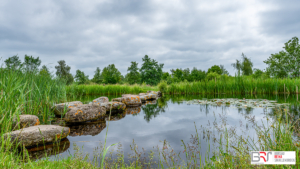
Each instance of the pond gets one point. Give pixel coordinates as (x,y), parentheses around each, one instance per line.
(169,118)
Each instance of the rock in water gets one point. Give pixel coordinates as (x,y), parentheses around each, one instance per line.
(115,106)
(25,121)
(59,108)
(37,135)
(83,113)
(131,100)
(150,96)
(143,98)
(101,100)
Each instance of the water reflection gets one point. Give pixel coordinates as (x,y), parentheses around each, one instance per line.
(49,149)
(133,110)
(91,128)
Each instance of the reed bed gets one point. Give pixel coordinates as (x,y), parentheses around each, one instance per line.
(236,85)
(108,89)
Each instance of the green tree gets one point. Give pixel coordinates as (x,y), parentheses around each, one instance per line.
(216,69)
(257,73)
(244,66)
(45,71)
(31,64)
(186,74)
(111,74)
(197,75)
(13,62)
(97,76)
(63,72)
(177,74)
(286,62)
(151,72)
(212,75)
(81,78)
(133,76)
(165,76)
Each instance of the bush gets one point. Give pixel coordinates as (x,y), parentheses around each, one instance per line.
(162,86)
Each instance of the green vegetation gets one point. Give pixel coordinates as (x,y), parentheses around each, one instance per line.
(111,74)
(63,72)
(151,71)
(133,76)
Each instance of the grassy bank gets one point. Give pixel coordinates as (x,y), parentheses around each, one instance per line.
(229,85)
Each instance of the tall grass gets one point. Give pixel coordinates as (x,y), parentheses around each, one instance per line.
(107,89)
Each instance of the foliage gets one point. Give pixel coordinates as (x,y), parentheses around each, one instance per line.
(197,75)
(212,76)
(45,71)
(97,77)
(244,66)
(151,71)
(63,72)
(13,62)
(111,74)
(216,69)
(257,73)
(133,76)
(286,62)
(31,64)
(162,86)
(81,78)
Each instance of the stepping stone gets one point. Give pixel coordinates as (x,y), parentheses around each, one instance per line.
(37,135)
(115,106)
(150,96)
(83,113)
(25,121)
(60,108)
(131,100)
(100,100)
(93,128)
(143,98)
(119,99)
(133,110)
(142,94)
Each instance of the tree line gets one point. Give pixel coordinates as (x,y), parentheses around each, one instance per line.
(284,64)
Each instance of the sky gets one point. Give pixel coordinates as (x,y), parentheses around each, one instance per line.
(178,33)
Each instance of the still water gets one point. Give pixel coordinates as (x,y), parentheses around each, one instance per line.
(168,118)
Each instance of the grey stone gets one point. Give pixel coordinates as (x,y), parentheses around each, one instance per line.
(119,99)
(100,100)
(59,108)
(37,135)
(131,100)
(115,106)
(25,121)
(83,113)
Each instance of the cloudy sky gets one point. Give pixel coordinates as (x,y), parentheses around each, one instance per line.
(178,33)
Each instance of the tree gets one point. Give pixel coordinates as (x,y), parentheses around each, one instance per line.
(111,74)
(80,77)
(197,75)
(224,71)
(151,72)
(186,74)
(45,71)
(286,62)
(97,77)
(213,75)
(245,65)
(13,62)
(31,64)
(257,73)
(133,76)
(63,72)
(216,69)
(165,75)
(177,74)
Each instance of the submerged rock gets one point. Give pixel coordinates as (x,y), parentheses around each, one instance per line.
(93,128)
(132,110)
(60,108)
(115,106)
(37,135)
(25,121)
(100,100)
(131,100)
(83,113)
